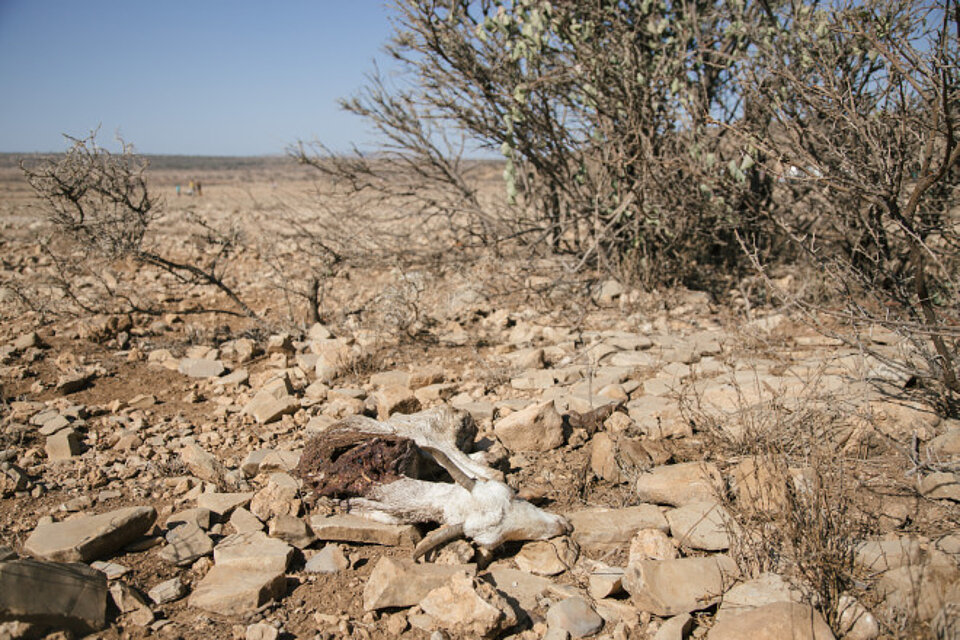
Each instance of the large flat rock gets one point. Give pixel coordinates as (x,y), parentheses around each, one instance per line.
(88,538)
(349,528)
(680,484)
(232,591)
(670,587)
(253,551)
(404,583)
(65,596)
(602,529)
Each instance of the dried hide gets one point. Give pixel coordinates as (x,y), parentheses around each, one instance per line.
(379,469)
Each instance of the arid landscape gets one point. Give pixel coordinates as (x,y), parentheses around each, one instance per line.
(723,467)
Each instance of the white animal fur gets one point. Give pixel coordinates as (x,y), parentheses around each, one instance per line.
(488,512)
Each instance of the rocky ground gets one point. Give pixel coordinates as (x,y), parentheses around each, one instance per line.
(727,474)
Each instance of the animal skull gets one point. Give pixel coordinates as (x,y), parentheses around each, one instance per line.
(376,469)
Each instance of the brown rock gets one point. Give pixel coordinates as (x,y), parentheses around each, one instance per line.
(536,428)
(777,621)
(91,537)
(403,583)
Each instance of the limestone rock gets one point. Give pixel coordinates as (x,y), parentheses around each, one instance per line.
(52,594)
(168,591)
(292,530)
(185,544)
(351,528)
(669,587)
(201,367)
(203,464)
(525,588)
(651,544)
(676,628)
(880,555)
(223,504)
(403,583)
(602,529)
(536,428)
(233,590)
(243,521)
(547,557)
(941,486)
(701,525)
(767,588)
(575,616)
(253,551)
(758,486)
(605,581)
(63,445)
(90,537)
(330,559)
(855,621)
(679,484)
(278,497)
(919,590)
(468,607)
(395,399)
(777,621)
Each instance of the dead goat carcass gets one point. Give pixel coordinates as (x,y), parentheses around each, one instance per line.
(378,468)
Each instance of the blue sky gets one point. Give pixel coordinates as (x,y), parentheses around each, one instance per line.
(204,77)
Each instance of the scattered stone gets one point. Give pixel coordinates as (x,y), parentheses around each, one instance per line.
(243,521)
(758,486)
(776,621)
(63,445)
(651,544)
(253,551)
(605,581)
(468,607)
(855,622)
(767,588)
(575,616)
(12,479)
(880,555)
(261,631)
(292,530)
(53,594)
(701,525)
(395,399)
(280,496)
(223,504)
(675,628)
(919,590)
(669,587)
(130,603)
(351,528)
(679,484)
(268,406)
(536,428)
(111,569)
(73,381)
(330,559)
(941,486)
(185,544)
(202,464)
(403,583)
(168,591)
(285,461)
(601,529)
(233,590)
(548,557)
(526,588)
(201,367)
(198,516)
(88,538)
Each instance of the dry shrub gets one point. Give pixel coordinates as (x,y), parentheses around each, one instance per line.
(795,493)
